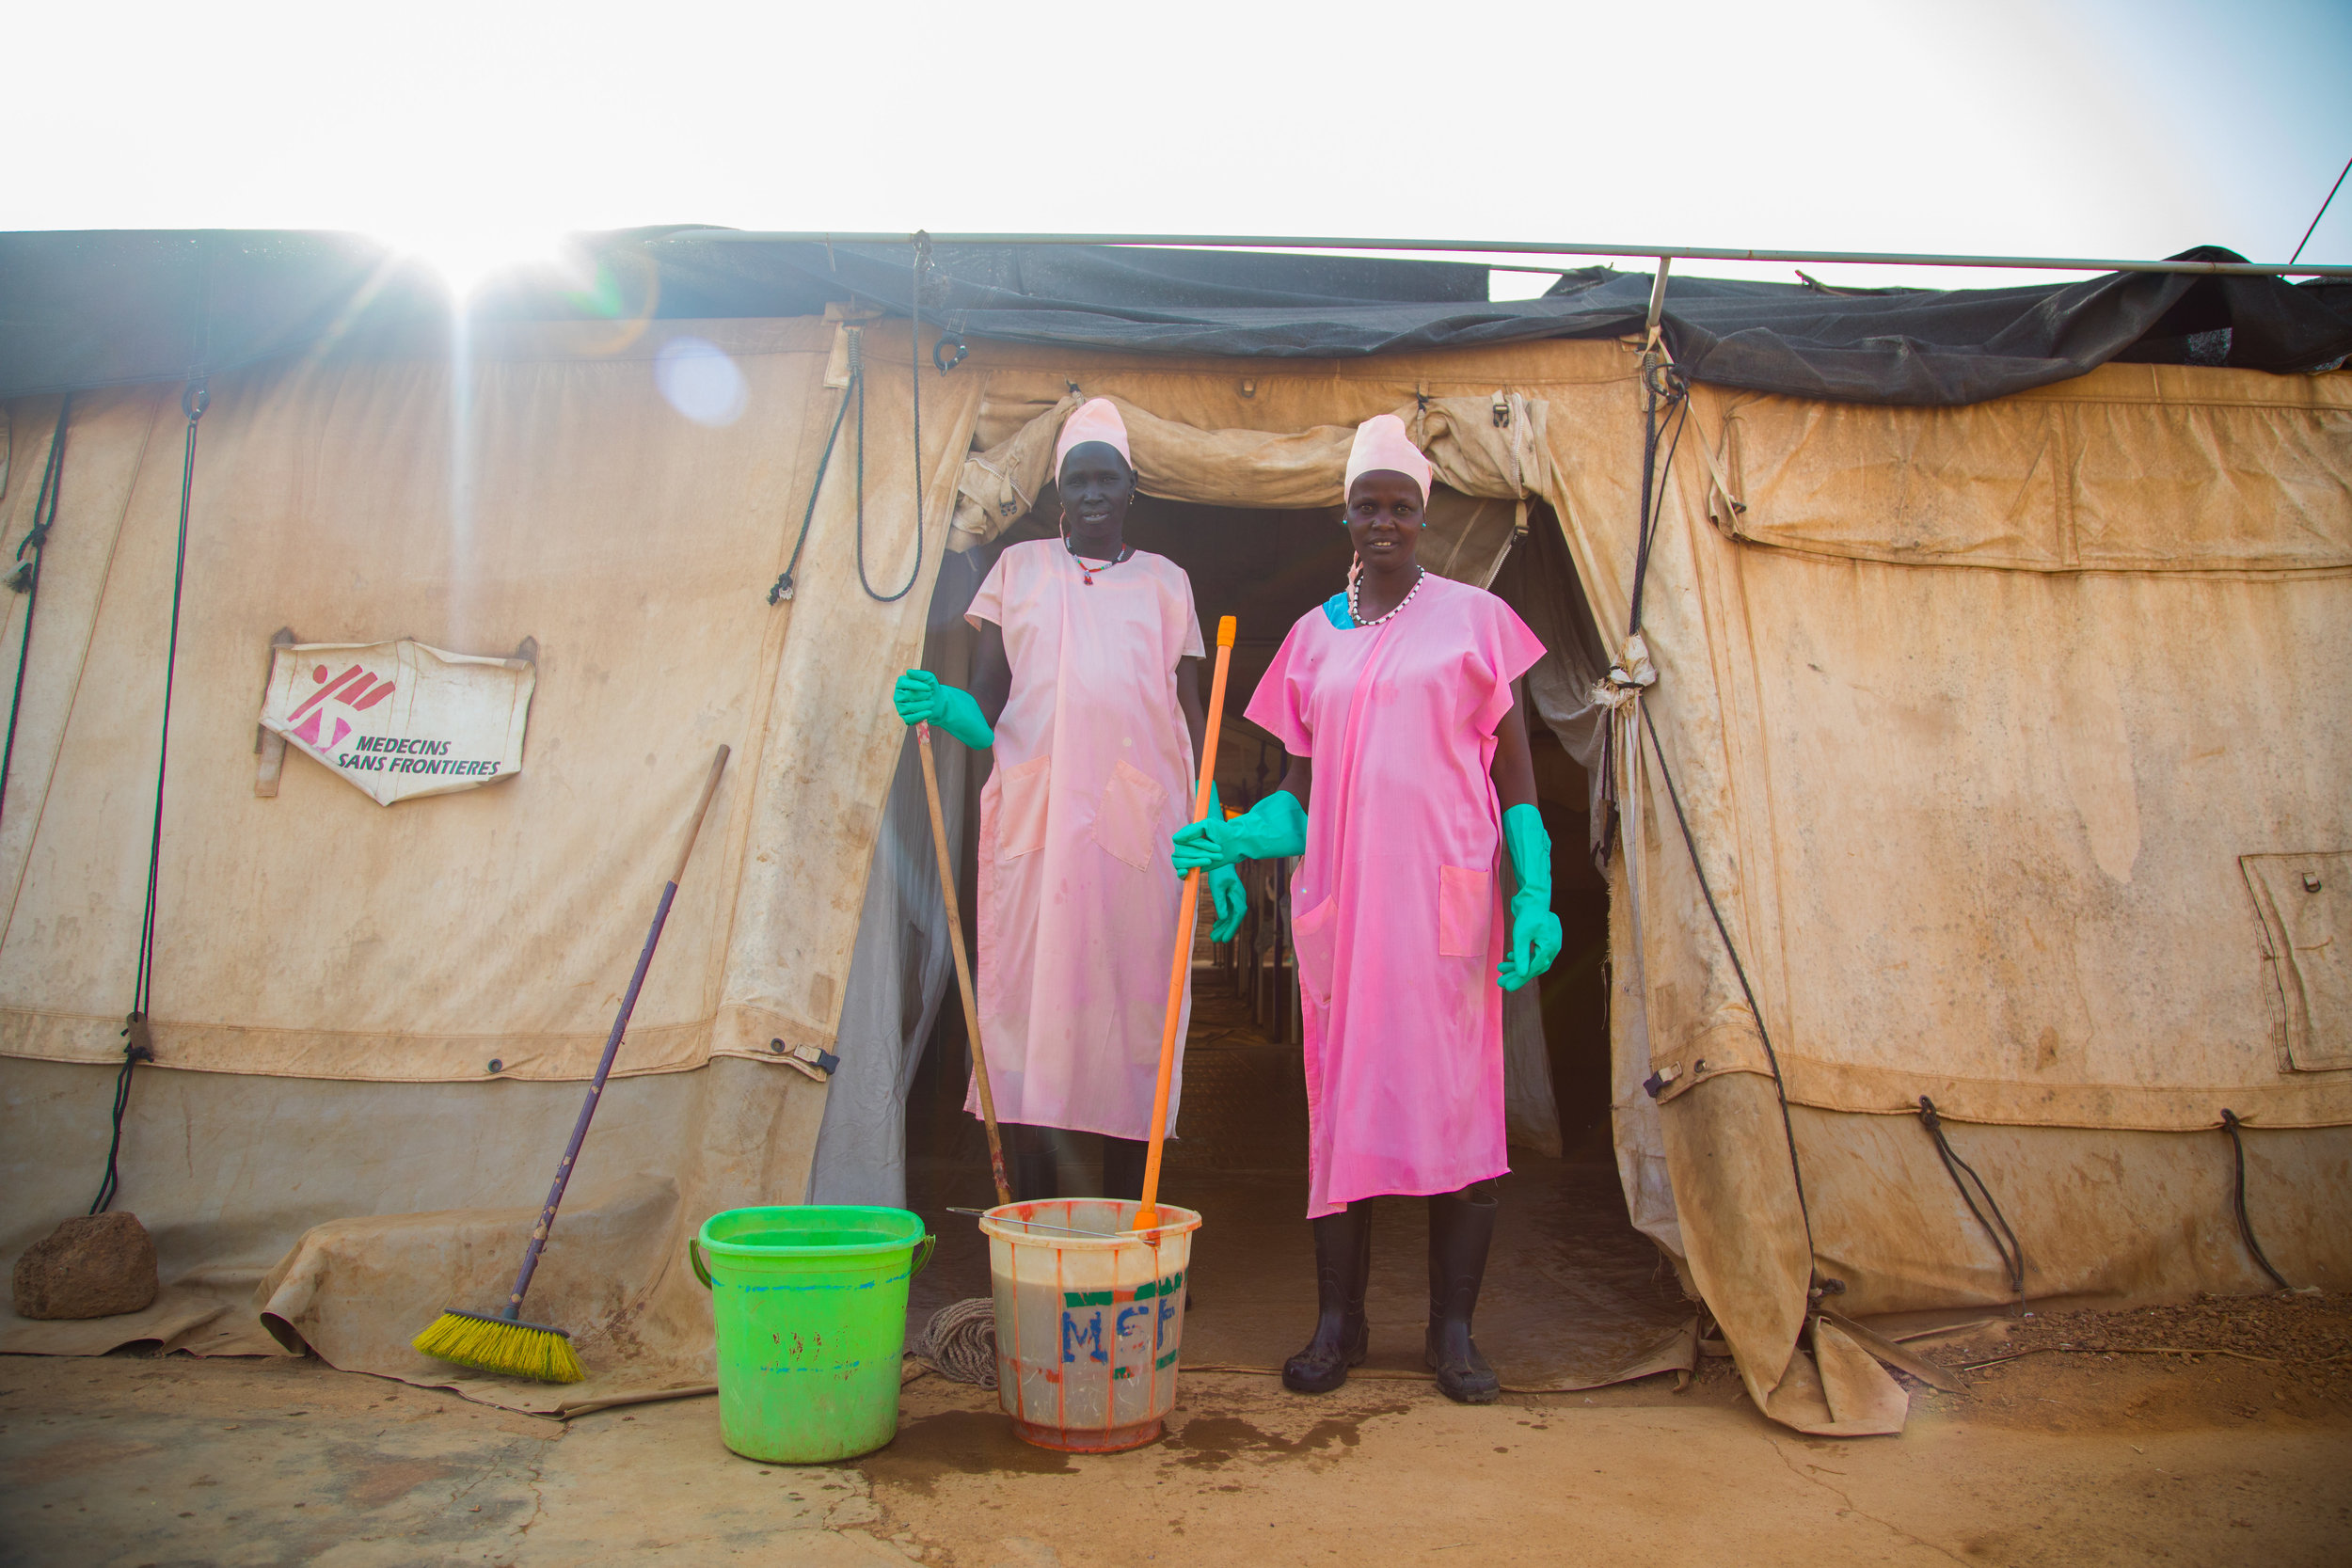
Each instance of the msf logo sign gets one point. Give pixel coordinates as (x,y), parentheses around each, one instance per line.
(354,690)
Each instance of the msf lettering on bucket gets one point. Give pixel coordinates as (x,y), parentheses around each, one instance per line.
(1099,1325)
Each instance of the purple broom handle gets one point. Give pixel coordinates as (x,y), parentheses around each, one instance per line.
(540,1231)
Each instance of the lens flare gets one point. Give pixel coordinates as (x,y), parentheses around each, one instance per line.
(700,381)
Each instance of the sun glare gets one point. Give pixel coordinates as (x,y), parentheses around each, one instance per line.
(468,258)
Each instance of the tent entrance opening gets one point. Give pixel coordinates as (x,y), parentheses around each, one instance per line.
(1572,1290)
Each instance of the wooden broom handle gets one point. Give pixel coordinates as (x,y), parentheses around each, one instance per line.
(963,964)
(702,808)
(1188,910)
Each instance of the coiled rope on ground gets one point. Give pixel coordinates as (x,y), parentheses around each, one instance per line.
(960,1342)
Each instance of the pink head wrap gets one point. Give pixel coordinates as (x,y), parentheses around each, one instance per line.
(1095,420)
(1381,443)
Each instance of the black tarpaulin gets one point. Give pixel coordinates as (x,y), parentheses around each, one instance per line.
(101,308)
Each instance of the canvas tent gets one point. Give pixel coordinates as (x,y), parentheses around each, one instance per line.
(2000,728)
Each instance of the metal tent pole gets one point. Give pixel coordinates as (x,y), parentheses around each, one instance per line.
(1533,247)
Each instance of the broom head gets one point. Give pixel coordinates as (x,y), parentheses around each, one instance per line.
(502,1345)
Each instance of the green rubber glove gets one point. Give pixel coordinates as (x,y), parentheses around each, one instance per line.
(923,698)
(1230,898)
(1534,929)
(1275,826)
(1232,902)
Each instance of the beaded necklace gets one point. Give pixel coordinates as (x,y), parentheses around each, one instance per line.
(1125,554)
(1356,615)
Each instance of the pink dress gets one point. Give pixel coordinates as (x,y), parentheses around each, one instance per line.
(1397,908)
(1077,900)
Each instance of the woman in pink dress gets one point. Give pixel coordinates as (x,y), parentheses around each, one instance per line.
(1408,775)
(1086,683)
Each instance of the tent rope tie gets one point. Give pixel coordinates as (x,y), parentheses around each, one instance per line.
(1629,674)
(137,1039)
(2230,1125)
(26,579)
(1997,1228)
(1632,672)
(1821,1286)
(960,1343)
(1662,382)
(855,340)
(914,375)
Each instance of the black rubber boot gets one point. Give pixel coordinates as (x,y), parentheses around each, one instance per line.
(1343,1334)
(1461,1227)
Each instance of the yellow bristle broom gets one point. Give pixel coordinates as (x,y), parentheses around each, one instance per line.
(502,1342)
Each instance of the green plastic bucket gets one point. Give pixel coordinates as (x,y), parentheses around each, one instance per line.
(811,1303)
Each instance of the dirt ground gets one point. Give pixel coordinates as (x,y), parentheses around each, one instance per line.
(2085,1455)
(1572,1290)
(2068,1447)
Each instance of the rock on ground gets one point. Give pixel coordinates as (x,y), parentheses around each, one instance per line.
(91,1266)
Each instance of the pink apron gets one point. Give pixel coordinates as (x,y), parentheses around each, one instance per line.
(1397,908)
(1077,900)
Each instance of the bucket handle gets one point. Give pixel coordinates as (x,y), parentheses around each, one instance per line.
(922,1256)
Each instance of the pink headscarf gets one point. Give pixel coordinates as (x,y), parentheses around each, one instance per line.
(1095,420)
(1381,443)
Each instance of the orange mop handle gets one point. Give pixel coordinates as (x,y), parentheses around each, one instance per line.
(963,964)
(1180,969)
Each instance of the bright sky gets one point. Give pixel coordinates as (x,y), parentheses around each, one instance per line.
(475,131)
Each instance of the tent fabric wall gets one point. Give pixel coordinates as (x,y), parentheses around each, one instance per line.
(357,1212)
(1952,810)
(2106,1217)
(1918,797)
(901,967)
(899,976)
(350,955)
(1980,828)
(549,492)
(2141,468)
(1482,447)
(1971,808)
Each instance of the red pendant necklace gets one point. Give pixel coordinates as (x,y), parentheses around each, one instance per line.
(1087,572)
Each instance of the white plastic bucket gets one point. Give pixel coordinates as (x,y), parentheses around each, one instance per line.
(1087,1326)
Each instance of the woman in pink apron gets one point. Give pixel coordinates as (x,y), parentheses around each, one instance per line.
(1086,684)
(1408,775)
